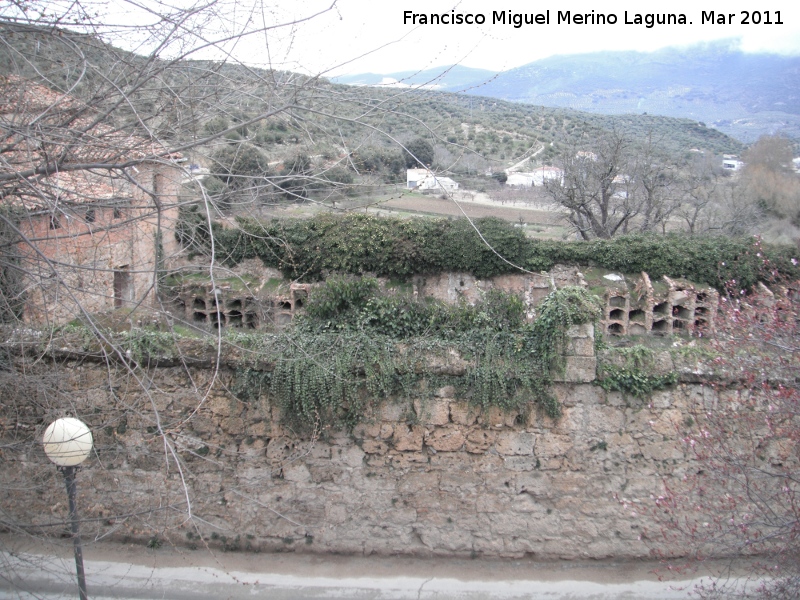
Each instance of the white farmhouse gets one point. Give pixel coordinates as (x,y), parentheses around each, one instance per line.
(731,163)
(425,179)
(535,178)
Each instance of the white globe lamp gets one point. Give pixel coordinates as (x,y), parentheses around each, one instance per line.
(67,442)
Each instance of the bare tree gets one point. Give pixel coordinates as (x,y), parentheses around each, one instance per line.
(101,152)
(655,178)
(700,183)
(598,187)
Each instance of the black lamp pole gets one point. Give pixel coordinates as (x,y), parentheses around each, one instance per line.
(69,479)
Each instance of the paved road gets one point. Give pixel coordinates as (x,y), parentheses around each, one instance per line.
(173,574)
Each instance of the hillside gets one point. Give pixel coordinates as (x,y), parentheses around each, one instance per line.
(741,94)
(184,101)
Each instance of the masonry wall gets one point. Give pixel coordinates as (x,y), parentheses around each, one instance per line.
(100,253)
(439,477)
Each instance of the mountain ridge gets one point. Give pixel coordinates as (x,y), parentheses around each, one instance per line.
(741,94)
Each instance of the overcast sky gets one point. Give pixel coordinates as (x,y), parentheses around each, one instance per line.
(375,32)
(357,36)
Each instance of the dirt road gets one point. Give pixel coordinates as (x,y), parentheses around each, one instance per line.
(115,571)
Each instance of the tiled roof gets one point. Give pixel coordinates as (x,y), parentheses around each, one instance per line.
(44,128)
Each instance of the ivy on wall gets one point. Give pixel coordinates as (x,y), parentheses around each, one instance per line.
(355,345)
(632,372)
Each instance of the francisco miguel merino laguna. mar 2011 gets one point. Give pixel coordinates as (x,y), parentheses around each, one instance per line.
(566,17)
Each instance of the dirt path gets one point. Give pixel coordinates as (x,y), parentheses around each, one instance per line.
(119,571)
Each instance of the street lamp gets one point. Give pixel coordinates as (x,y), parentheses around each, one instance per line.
(67,443)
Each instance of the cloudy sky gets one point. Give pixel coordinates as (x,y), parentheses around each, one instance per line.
(357,36)
(365,35)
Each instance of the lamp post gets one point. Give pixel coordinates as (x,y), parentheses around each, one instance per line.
(67,442)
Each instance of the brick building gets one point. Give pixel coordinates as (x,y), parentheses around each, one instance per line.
(96,223)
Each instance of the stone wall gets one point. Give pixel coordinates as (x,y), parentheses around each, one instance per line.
(632,307)
(433,477)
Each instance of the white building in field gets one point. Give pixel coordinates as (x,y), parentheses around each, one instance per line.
(731,162)
(425,179)
(535,178)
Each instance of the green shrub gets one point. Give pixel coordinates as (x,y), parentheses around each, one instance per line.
(635,375)
(310,249)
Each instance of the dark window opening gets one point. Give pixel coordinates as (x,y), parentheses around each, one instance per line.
(55,222)
(90,215)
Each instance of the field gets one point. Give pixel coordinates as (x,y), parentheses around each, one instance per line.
(528,208)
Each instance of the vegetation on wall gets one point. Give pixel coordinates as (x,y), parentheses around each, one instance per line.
(631,371)
(310,249)
(355,344)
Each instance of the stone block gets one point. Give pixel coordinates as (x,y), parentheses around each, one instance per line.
(233,425)
(497,417)
(491,503)
(408,438)
(581,331)
(668,423)
(515,443)
(320,450)
(392,411)
(550,445)
(433,411)
(224,406)
(445,439)
(580,347)
(520,463)
(403,516)
(296,472)
(480,440)
(352,456)
(406,460)
(447,391)
(462,413)
(603,419)
(579,369)
(278,449)
(663,450)
(258,429)
(375,447)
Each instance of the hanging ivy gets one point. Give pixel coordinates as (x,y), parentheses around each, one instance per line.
(356,346)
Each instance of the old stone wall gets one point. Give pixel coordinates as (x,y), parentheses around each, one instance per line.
(105,245)
(180,460)
(631,305)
